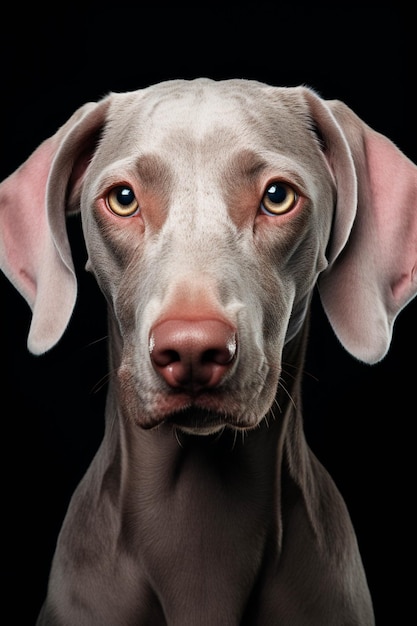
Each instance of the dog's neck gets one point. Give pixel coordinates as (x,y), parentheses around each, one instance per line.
(189,503)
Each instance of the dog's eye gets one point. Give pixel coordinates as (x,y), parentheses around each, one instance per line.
(122,201)
(279,198)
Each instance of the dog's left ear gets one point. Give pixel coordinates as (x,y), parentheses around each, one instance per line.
(34,250)
(372,272)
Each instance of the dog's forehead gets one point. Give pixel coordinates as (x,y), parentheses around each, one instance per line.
(194,106)
(242,112)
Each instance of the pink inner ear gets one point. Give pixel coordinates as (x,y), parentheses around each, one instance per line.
(24,221)
(29,254)
(34,248)
(392,219)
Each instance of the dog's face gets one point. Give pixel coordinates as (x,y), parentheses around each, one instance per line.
(209,210)
(188,217)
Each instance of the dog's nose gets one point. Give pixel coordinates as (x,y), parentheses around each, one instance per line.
(193,355)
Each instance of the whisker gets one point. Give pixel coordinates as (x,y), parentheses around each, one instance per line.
(283,387)
(234,439)
(272,412)
(102,382)
(177,437)
(303,371)
(93,342)
(277,404)
(219,434)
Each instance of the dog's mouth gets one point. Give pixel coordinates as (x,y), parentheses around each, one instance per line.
(201,421)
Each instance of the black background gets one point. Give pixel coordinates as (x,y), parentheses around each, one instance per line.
(359,419)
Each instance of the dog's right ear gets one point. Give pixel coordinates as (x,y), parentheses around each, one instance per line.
(34,250)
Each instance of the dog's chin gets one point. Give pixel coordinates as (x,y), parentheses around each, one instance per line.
(201,431)
(202,422)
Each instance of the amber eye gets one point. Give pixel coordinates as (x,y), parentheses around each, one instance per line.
(122,201)
(279,198)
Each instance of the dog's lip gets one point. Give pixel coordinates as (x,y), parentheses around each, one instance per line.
(197,420)
(212,412)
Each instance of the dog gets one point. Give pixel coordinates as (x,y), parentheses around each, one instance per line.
(210,211)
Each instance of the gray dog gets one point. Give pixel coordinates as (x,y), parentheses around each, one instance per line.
(210,210)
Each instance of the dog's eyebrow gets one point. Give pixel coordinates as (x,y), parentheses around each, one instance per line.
(153,172)
(240,180)
(247,164)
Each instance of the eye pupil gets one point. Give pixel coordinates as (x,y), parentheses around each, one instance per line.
(125,196)
(277,193)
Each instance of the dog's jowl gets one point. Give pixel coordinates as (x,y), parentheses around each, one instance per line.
(210,211)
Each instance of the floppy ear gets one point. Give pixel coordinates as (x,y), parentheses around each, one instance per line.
(34,251)
(372,272)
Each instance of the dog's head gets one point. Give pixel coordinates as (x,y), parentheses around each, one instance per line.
(220,202)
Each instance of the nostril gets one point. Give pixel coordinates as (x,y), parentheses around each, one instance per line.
(193,354)
(221,356)
(162,358)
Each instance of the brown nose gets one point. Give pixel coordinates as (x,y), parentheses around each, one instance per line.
(192,355)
